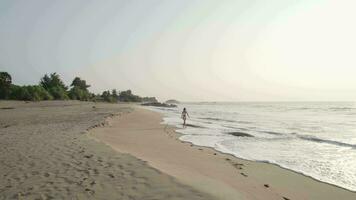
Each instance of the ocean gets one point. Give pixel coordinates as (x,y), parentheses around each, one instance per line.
(317,139)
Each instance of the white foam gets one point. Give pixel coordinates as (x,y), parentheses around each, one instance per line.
(281,135)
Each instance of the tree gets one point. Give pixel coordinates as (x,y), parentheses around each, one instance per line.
(58,93)
(114,94)
(77,93)
(79,90)
(51,81)
(55,86)
(5,84)
(127,96)
(149,99)
(106,96)
(77,82)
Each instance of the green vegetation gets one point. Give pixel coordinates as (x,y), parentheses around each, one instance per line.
(79,90)
(29,93)
(172,101)
(149,100)
(106,96)
(51,87)
(55,86)
(127,96)
(5,85)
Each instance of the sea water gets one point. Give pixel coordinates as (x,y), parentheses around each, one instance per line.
(317,139)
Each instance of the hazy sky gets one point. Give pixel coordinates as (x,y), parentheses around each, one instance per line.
(187,50)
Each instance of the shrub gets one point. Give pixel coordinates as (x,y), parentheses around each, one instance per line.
(5,85)
(77,93)
(58,93)
(127,96)
(29,93)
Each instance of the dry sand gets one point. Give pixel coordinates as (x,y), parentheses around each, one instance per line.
(45,153)
(140,134)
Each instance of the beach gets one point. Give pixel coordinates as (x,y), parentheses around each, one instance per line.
(177,100)
(141,134)
(45,153)
(87,150)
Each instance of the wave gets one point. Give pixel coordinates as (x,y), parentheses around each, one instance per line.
(301,108)
(272,132)
(194,126)
(238,128)
(319,140)
(314,126)
(217,119)
(341,108)
(226,120)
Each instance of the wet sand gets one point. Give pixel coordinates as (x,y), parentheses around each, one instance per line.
(140,134)
(45,153)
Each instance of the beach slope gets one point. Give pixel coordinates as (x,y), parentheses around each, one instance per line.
(45,153)
(141,134)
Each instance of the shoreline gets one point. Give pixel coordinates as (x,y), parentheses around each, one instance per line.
(269,163)
(242,179)
(178,135)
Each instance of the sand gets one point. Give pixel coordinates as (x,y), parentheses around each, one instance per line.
(140,134)
(83,150)
(45,153)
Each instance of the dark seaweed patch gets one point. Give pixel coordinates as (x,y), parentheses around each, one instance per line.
(240,134)
(7,108)
(272,133)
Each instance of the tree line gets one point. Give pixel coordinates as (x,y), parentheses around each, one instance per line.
(51,87)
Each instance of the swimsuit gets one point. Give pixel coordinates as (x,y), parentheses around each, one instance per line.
(184,115)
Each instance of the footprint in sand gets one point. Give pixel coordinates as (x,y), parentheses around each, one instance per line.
(89,191)
(88,156)
(238,165)
(243,174)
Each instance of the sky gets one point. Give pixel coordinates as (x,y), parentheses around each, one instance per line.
(190,50)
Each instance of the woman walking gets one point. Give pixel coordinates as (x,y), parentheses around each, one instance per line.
(184,115)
